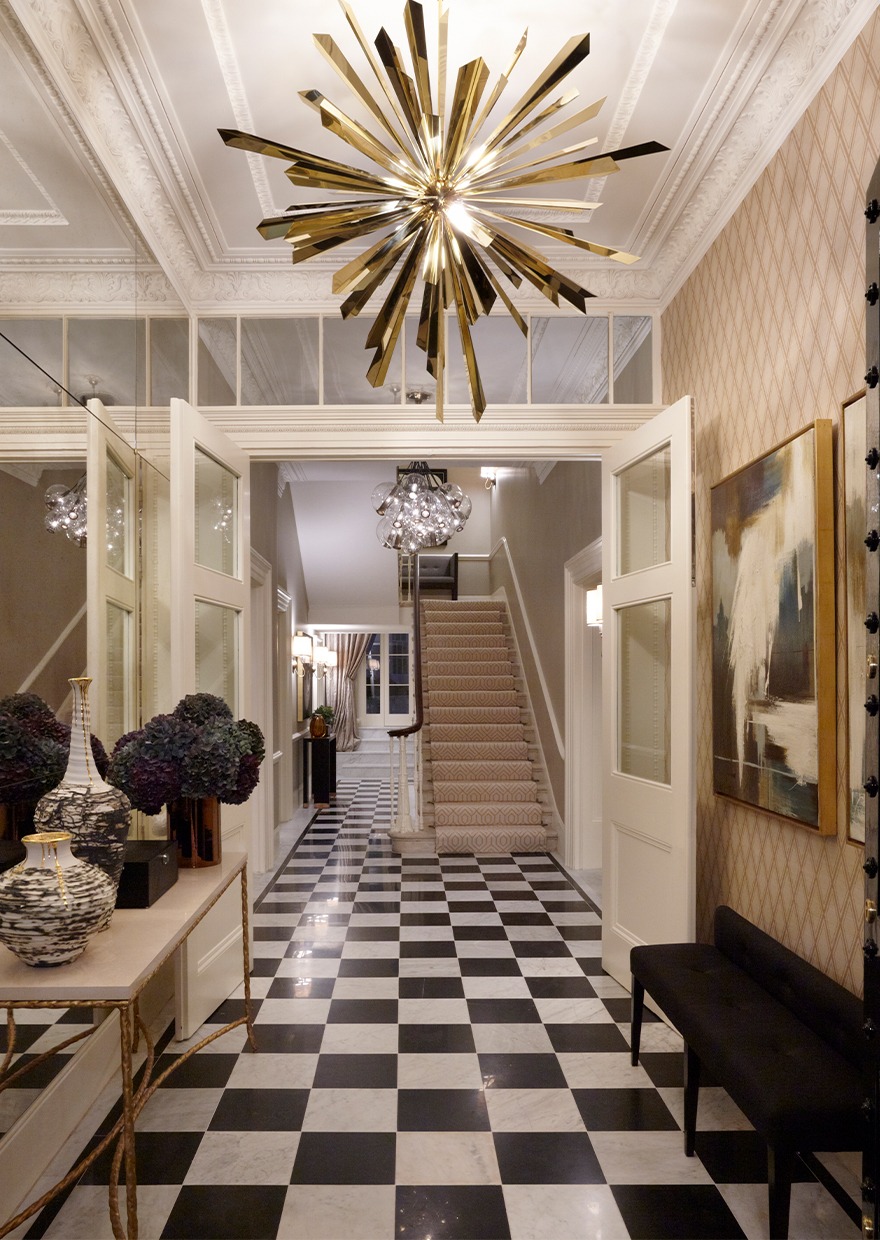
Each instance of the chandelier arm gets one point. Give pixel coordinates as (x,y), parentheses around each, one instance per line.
(364,267)
(570,206)
(500,86)
(542,159)
(414,23)
(307,169)
(321,240)
(383,82)
(561,234)
(386,329)
(403,87)
(295,224)
(556,131)
(499,289)
(474,268)
(535,268)
(568,58)
(357,136)
(376,276)
(442,57)
(490,156)
(348,74)
(472,370)
(601,165)
(470,83)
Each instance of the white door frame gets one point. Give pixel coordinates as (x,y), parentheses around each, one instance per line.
(583,715)
(263,799)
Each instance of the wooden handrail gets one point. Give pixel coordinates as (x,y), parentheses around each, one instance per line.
(419,718)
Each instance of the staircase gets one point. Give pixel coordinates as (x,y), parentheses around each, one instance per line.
(371,758)
(478,762)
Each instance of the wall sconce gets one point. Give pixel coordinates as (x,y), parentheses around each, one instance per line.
(489,472)
(302,652)
(594,608)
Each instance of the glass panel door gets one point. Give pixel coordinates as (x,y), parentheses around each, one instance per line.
(385,682)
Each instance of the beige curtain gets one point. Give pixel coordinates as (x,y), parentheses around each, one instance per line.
(350,650)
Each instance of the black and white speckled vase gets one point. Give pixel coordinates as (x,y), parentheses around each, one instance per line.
(51,904)
(93,812)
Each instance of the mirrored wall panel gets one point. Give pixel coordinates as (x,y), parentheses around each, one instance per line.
(22,385)
(107,360)
(633,360)
(502,358)
(346,360)
(280,361)
(169,360)
(569,361)
(217,362)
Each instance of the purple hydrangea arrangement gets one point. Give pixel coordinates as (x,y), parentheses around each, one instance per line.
(34,748)
(198,750)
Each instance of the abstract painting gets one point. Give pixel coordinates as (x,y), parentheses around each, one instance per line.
(854,446)
(773,651)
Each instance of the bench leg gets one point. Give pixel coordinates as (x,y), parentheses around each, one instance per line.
(691,1098)
(635,1020)
(780,1168)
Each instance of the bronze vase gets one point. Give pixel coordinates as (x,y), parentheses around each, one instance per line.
(194,822)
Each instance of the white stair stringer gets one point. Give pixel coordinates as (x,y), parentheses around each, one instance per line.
(483,790)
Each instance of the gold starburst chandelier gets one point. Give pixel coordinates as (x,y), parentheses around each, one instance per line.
(441,199)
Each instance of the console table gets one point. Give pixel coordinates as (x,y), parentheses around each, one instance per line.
(111,974)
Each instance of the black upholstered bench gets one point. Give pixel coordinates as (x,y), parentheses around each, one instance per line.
(783,1039)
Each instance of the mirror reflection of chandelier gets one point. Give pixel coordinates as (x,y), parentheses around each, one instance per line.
(67,510)
(420,510)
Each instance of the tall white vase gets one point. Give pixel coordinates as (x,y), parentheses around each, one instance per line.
(95,814)
(51,903)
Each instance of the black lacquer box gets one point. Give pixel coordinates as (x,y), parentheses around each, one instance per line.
(150,869)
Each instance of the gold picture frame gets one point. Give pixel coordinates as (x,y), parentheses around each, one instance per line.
(853,449)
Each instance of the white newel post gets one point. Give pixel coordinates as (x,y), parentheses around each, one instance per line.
(403,820)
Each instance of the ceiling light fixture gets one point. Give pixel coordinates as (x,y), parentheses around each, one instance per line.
(421,510)
(67,510)
(441,195)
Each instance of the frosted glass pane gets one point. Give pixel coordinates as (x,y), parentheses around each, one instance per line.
(346,361)
(216,515)
(217,362)
(119,653)
(373,675)
(645,650)
(21,384)
(633,360)
(569,361)
(119,540)
(169,360)
(107,360)
(643,512)
(279,361)
(217,652)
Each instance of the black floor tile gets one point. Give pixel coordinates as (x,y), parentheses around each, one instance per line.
(525,919)
(264,966)
(522,1071)
(286,1040)
(307,949)
(198,1072)
(587,1038)
(560,988)
(503,1012)
(451,1212)
(623,1110)
(539,947)
(424,919)
(232,1009)
(489,966)
(430,948)
(431,988)
(435,1039)
(619,1010)
(356,1072)
(301,987)
(590,934)
(26,1035)
(383,966)
(547,1158)
(740,1158)
(260,1110)
(345,1158)
(665,1068)
(466,934)
(471,906)
(676,1212)
(372,934)
(442,1110)
(162,1158)
(238,1212)
(362,1011)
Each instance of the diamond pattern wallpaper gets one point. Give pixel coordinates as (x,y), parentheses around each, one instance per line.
(768,334)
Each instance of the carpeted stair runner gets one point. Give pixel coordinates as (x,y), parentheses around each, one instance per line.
(484,788)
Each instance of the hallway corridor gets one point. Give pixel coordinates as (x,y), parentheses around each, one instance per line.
(440,1056)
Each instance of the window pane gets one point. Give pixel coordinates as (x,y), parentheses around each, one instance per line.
(107,360)
(643,513)
(569,361)
(346,361)
(118,546)
(217,361)
(633,360)
(216,515)
(279,361)
(21,384)
(398,673)
(119,705)
(643,725)
(373,669)
(502,360)
(217,652)
(169,360)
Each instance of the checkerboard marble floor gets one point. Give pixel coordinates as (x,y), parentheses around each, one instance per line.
(439,1055)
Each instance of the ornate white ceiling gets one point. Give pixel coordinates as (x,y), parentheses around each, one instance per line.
(115,189)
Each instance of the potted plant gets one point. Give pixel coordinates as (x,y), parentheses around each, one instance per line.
(34,748)
(190,761)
